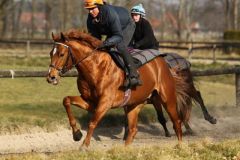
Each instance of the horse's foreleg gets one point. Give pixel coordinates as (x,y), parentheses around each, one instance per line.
(132,115)
(125,125)
(79,102)
(103,106)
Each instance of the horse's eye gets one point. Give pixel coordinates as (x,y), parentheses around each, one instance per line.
(62,54)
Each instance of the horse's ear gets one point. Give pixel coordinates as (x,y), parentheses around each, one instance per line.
(53,36)
(63,37)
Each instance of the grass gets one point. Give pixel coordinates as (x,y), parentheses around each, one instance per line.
(202,150)
(24,63)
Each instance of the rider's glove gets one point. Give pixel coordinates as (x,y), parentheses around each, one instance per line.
(104,46)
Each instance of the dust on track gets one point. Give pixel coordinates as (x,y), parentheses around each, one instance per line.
(106,138)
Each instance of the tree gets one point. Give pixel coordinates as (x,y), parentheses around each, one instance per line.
(235,13)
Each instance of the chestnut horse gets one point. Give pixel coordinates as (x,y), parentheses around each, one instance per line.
(100,80)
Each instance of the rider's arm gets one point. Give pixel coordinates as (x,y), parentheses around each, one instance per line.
(115,28)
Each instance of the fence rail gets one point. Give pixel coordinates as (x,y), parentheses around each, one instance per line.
(73,73)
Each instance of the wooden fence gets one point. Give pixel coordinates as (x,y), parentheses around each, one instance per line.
(192,46)
(189,46)
(211,72)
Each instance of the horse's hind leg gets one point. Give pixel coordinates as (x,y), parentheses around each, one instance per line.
(79,102)
(156,101)
(170,105)
(198,98)
(132,115)
(188,103)
(171,108)
(189,130)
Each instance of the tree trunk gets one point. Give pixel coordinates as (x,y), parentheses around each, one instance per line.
(180,19)
(33,19)
(190,7)
(7,18)
(163,11)
(48,24)
(227,15)
(235,13)
(17,21)
(13,18)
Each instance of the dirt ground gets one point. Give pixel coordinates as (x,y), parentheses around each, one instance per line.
(105,138)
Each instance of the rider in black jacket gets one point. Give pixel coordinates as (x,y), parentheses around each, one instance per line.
(116,23)
(143,37)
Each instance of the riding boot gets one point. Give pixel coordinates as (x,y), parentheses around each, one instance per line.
(132,79)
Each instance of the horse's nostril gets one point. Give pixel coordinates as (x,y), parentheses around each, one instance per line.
(53,78)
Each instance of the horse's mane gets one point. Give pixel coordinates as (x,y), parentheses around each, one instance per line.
(83,37)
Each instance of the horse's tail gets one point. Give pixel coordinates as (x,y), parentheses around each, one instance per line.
(184,99)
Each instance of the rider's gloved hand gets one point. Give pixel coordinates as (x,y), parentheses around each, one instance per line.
(104,46)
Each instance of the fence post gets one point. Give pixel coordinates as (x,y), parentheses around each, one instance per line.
(214,53)
(190,50)
(28,49)
(237,75)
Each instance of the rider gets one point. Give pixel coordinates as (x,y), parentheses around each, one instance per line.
(143,37)
(116,23)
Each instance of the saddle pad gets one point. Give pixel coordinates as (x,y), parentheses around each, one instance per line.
(173,60)
(144,56)
(141,57)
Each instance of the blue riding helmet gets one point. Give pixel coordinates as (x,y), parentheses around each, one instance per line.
(138,9)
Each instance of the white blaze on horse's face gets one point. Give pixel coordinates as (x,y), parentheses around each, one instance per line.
(54,51)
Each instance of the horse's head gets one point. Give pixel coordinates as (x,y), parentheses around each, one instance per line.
(61,59)
(69,50)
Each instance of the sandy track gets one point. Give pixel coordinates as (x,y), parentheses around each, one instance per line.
(105,138)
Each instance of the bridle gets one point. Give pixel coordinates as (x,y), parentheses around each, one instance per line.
(65,68)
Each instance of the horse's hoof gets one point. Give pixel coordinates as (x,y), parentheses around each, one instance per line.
(189,133)
(167,135)
(83,148)
(125,137)
(85,144)
(211,120)
(77,135)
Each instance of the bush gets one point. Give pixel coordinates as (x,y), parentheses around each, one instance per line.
(232,36)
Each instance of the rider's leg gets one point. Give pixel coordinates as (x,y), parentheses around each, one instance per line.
(127,58)
(133,77)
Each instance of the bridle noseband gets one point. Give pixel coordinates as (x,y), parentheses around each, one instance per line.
(65,68)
